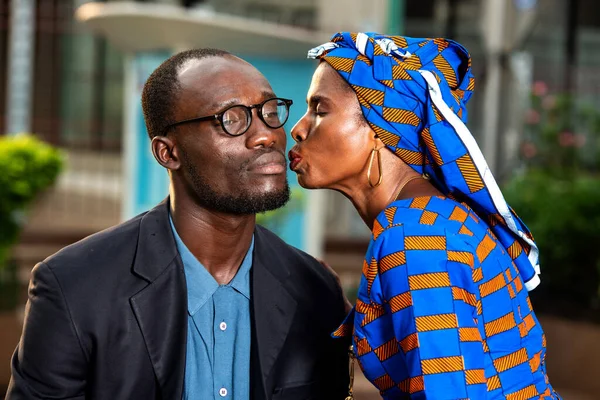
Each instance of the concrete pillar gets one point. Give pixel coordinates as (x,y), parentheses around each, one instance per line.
(20,66)
(493,29)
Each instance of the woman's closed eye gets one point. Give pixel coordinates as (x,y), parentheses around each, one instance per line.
(320,111)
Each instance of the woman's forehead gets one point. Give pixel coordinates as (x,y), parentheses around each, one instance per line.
(327,83)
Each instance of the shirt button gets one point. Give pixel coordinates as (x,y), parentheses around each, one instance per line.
(223,327)
(223,392)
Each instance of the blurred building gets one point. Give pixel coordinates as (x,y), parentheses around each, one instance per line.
(77,78)
(76,103)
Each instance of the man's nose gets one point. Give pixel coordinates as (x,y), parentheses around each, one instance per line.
(261,135)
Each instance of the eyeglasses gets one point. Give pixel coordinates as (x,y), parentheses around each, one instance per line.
(236,119)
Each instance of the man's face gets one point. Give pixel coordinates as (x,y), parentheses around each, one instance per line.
(232,174)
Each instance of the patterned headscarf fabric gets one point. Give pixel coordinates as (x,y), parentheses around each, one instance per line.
(413,93)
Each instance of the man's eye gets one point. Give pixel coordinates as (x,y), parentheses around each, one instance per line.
(229,122)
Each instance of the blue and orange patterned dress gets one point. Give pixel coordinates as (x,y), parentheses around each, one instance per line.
(442,312)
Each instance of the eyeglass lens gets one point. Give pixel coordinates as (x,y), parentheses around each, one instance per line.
(236,120)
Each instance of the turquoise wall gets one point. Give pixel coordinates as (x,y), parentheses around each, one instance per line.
(147,180)
(290,79)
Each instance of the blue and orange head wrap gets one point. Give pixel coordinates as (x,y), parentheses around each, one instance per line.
(413,93)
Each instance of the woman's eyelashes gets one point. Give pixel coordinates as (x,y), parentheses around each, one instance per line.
(320,111)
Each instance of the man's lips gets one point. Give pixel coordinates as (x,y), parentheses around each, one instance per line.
(295,159)
(269,164)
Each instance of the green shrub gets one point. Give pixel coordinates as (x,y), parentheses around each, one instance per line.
(564,217)
(562,133)
(28,166)
(557,194)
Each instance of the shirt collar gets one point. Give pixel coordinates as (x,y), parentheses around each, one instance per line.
(200,283)
(241,280)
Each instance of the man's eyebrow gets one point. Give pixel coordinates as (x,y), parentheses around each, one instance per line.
(267,94)
(221,106)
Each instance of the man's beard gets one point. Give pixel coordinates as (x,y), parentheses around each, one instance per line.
(242,203)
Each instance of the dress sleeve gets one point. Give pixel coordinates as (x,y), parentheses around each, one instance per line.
(424,280)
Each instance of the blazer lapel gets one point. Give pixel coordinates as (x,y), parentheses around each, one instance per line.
(273,307)
(161,307)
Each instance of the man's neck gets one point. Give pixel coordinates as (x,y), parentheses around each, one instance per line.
(219,241)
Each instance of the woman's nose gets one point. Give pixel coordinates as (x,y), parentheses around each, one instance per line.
(300,130)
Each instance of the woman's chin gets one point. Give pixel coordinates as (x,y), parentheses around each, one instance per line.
(305,181)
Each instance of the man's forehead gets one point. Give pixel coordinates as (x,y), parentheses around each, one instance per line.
(207,69)
(218,79)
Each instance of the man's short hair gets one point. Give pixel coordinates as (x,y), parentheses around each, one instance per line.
(161,89)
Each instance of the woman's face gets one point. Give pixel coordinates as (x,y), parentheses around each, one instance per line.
(333,140)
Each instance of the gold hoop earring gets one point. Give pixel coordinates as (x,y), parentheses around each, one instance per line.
(373,152)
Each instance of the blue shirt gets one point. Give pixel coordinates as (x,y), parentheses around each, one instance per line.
(217,362)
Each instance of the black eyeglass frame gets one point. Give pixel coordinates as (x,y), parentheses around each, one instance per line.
(249,109)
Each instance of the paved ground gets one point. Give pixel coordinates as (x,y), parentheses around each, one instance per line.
(363,390)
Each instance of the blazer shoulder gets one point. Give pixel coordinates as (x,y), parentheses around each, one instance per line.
(112,242)
(299,262)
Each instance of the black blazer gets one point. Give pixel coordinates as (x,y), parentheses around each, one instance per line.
(107,319)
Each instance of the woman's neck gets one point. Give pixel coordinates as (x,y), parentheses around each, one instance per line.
(399,182)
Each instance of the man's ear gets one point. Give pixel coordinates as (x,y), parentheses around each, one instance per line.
(166,153)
